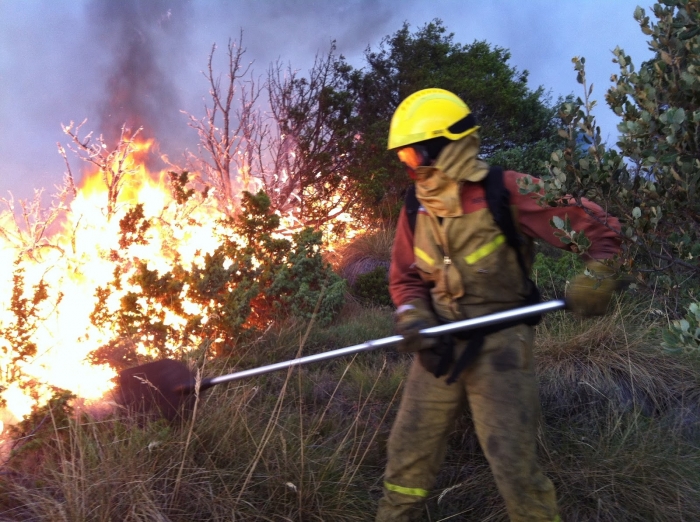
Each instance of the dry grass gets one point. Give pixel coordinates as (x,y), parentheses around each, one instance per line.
(620,438)
(622,419)
(286,446)
(365,253)
(587,366)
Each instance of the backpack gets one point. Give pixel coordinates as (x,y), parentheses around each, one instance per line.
(498,202)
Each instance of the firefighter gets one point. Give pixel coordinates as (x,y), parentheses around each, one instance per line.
(454,259)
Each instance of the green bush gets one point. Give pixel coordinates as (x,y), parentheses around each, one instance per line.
(307,286)
(552,273)
(373,287)
(684,335)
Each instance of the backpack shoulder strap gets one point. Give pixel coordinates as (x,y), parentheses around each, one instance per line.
(498,201)
(412,205)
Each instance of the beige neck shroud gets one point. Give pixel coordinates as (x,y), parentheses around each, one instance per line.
(438,185)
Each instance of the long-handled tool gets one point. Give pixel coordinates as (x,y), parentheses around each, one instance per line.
(166,386)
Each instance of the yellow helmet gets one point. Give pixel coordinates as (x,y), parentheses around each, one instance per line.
(427,114)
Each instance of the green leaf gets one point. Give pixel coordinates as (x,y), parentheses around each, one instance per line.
(694,308)
(686,35)
(688,78)
(679,116)
(558,222)
(637,213)
(668,158)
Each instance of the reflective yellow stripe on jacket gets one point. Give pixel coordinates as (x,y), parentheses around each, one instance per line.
(488,248)
(479,253)
(414,492)
(424,256)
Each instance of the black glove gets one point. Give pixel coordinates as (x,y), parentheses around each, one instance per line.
(411,318)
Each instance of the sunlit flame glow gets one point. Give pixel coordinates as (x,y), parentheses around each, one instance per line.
(74,260)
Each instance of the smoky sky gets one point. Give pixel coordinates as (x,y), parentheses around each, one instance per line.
(140,62)
(141,39)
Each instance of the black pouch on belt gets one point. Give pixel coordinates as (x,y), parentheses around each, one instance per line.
(438,360)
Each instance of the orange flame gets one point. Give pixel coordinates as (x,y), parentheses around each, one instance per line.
(75,260)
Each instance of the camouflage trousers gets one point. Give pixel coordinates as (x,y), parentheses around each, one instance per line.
(501,390)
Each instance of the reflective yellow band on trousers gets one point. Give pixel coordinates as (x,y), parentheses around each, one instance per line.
(485,250)
(414,492)
(425,257)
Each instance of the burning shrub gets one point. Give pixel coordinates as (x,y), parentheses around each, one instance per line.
(132,265)
(253,277)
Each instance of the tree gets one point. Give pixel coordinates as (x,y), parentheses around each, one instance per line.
(509,112)
(322,152)
(231,134)
(296,148)
(660,110)
(314,138)
(652,182)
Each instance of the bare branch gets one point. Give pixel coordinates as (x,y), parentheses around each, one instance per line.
(110,163)
(313,137)
(229,134)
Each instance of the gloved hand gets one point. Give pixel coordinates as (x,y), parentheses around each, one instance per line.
(412,317)
(591,295)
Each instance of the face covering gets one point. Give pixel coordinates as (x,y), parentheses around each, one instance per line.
(437,193)
(437,186)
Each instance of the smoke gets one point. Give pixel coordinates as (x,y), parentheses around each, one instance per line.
(140,41)
(139,62)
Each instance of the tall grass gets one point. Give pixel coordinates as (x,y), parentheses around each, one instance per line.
(620,437)
(286,446)
(365,253)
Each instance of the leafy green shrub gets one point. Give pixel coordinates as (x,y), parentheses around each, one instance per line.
(651,180)
(307,285)
(684,335)
(552,273)
(373,287)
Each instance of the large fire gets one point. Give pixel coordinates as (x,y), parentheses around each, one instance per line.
(72,261)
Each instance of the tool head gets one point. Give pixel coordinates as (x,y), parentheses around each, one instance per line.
(162,388)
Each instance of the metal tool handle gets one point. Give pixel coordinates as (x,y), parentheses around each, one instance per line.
(435,331)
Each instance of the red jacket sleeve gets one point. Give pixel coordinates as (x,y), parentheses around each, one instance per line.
(405,283)
(599,227)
